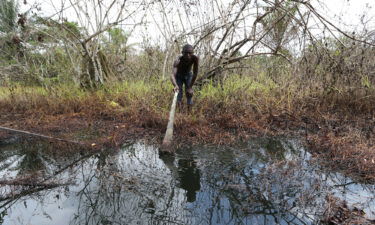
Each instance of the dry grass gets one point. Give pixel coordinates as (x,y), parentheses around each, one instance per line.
(337,212)
(349,152)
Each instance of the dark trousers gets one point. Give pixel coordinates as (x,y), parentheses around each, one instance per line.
(181,80)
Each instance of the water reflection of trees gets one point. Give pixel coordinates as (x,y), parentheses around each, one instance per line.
(270,196)
(31,169)
(269,182)
(44,158)
(137,186)
(130,188)
(239,195)
(273,183)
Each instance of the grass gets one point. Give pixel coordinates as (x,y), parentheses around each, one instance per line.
(155,95)
(237,94)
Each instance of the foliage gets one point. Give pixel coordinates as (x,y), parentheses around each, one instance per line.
(8,16)
(74,31)
(338,66)
(117,37)
(279,20)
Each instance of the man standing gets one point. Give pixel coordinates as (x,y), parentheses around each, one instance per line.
(182,74)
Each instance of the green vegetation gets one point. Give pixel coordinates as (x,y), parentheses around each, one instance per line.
(8,16)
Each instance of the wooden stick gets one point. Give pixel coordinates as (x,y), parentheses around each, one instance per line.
(169,133)
(32,183)
(37,135)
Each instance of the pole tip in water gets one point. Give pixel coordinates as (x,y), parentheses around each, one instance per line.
(166,148)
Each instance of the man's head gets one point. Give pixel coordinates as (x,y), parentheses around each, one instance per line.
(187,51)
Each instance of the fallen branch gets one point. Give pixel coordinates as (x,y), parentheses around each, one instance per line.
(39,135)
(31,183)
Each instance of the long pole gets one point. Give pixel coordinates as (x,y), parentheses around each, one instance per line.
(169,133)
(37,135)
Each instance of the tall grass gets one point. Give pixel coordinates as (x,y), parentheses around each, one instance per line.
(235,94)
(69,98)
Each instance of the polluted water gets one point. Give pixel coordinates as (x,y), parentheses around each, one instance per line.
(261,181)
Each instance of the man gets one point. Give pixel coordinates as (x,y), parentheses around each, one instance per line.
(182,74)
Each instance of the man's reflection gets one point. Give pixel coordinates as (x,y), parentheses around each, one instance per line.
(187,174)
(189,178)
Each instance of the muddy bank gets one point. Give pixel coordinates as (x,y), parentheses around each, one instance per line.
(347,143)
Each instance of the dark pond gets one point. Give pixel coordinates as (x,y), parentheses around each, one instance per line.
(264,181)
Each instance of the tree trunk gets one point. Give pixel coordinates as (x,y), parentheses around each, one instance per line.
(95,71)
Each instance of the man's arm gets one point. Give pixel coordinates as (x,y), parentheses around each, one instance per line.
(195,71)
(173,75)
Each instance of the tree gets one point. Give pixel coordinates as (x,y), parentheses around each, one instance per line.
(279,18)
(94,19)
(227,32)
